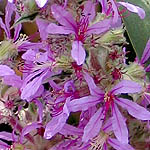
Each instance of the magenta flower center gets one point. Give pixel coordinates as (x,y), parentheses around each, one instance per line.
(82,28)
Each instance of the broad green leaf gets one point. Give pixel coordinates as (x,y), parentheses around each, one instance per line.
(138,30)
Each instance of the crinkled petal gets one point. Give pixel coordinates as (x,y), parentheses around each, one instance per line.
(29,55)
(28,129)
(126,86)
(94,90)
(29,45)
(7,136)
(5,70)
(100,27)
(4,146)
(17,28)
(83,103)
(42,25)
(115,11)
(71,130)
(133,8)
(146,53)
(104,6)
(41,3)
(119,125)
(78,52)
(9,11)
(134,109)
(40,109)
(13,80)
(93,126)
(32,87)
(107,127)
(55,29)
(89,10)
(57,123)
(118,145)
(4,27)
(63,17)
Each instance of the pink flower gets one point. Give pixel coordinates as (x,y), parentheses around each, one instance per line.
(109,101)
(80,29)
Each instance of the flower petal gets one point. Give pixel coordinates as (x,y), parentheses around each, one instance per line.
(32,87)
(7,136)
(28,129)
(119,126)
(29,55)
(13,80)
(100,27)
(9,11)
(17,28)
(126,86)
(5,70)
(89,10)
(94,90)
(55,29)
(2,25)
(133,8)
(93,126)
(41,3)
(146,53)
(71,130)
(134,109)
(104,6)
(78,52)
(40,109)
(42,25)
(115,11)
(119,146)
(83,103)
(57,123)
(63,17)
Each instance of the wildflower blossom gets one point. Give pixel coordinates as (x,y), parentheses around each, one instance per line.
(80,29)
(110,100)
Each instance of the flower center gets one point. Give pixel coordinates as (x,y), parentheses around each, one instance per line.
(98,142)
(82,29)
(109,99)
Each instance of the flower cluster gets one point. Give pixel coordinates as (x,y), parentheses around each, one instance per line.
(71,88)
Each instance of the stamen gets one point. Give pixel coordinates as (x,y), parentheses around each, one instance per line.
(98,142)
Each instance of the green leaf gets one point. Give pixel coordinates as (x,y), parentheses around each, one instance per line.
(138,30)
(25,18)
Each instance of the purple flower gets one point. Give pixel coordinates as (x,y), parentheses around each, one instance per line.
(101,141)
(81,29)
(110,101)
(108,8)
(37,68)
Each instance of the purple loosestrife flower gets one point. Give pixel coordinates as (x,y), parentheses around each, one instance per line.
(110,101)
(37,68)
(61,110)
(111,7)
(81,29)
(104,137)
